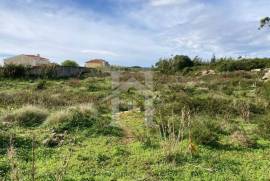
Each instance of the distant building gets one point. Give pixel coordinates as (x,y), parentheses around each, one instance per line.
(27,60)
(97,63)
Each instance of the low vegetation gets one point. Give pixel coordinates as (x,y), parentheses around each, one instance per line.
(212,126)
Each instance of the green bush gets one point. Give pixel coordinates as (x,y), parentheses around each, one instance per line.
(14,71)
(205,131)
(70,63)
(241,139)
(76,118)
(264,126)
(45,71)
(41,85)
(175,64)
(28,116)
(243,64)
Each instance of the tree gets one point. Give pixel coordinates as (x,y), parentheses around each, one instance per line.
(179,62)
(70,63)
(264,22)
(213,59)
(174,64)
(163,66)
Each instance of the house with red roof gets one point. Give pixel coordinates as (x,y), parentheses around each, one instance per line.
(97,63)
(27,60)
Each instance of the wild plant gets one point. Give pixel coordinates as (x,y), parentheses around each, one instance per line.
(11,153)
(244,110)
(33,169)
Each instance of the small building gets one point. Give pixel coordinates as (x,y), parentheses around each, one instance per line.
(27,60)
(97,63)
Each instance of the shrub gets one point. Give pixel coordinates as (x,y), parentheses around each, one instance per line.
(213,106)
(77,117)
(41,85)
(243,64)
(264,127)
(44,71)
(28,116)
(205,131)
(14,71)
(265,90)
(70,63)
(172,65)
(241,139)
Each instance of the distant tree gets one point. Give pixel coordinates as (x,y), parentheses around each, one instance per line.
(179,62)
(197,61)
(163,66)
(174,64)
(264,22)
(213,59)
(70,63)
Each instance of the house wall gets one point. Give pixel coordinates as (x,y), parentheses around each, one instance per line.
(94,65)
(25,60)
(64,72)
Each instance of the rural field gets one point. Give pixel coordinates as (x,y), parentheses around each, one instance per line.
(206,125)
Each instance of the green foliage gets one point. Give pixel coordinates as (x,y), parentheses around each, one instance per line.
(213,59)
(205,131)
(264,127)
(77,118)
(73,118)
(264,90)
(130,150)
(27,116)
(70,63)
(41,85)
(14,71)
(175,64)
(242,64)
(46,71)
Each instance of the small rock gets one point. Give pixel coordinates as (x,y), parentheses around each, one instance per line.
(256,70)
(208,72)
(266,76)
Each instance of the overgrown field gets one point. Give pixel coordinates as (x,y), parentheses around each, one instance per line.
(212,127)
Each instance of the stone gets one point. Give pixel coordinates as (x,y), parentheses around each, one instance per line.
(256,70)
(208,72)
(266,76)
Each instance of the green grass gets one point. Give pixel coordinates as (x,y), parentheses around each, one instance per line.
(127,149)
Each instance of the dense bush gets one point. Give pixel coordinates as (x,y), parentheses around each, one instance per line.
(14,71)
(27,116)
(243,64)
(205,131)
(264,126)
(241,139)
(41,85)
(172,65)
(44,71)
(70,63)
(72,118)
(77,118)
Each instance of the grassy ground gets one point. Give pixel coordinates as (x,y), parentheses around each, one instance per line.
(126,149)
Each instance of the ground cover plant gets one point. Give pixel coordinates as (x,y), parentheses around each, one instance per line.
(205,127)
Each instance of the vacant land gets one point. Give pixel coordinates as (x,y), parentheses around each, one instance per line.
(211,127)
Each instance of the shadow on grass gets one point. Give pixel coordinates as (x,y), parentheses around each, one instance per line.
(228,147)
(106,131)
(18,142)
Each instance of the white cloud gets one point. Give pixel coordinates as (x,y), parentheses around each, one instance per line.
(166,2)
(100,52)
(65,33)
(137,35)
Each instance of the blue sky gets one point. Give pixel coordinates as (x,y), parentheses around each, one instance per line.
(133,32)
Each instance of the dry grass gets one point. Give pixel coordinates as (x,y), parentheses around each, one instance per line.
(27,116)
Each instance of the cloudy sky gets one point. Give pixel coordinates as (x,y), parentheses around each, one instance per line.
(133,32)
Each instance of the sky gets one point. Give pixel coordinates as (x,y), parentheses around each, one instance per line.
(133,32)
